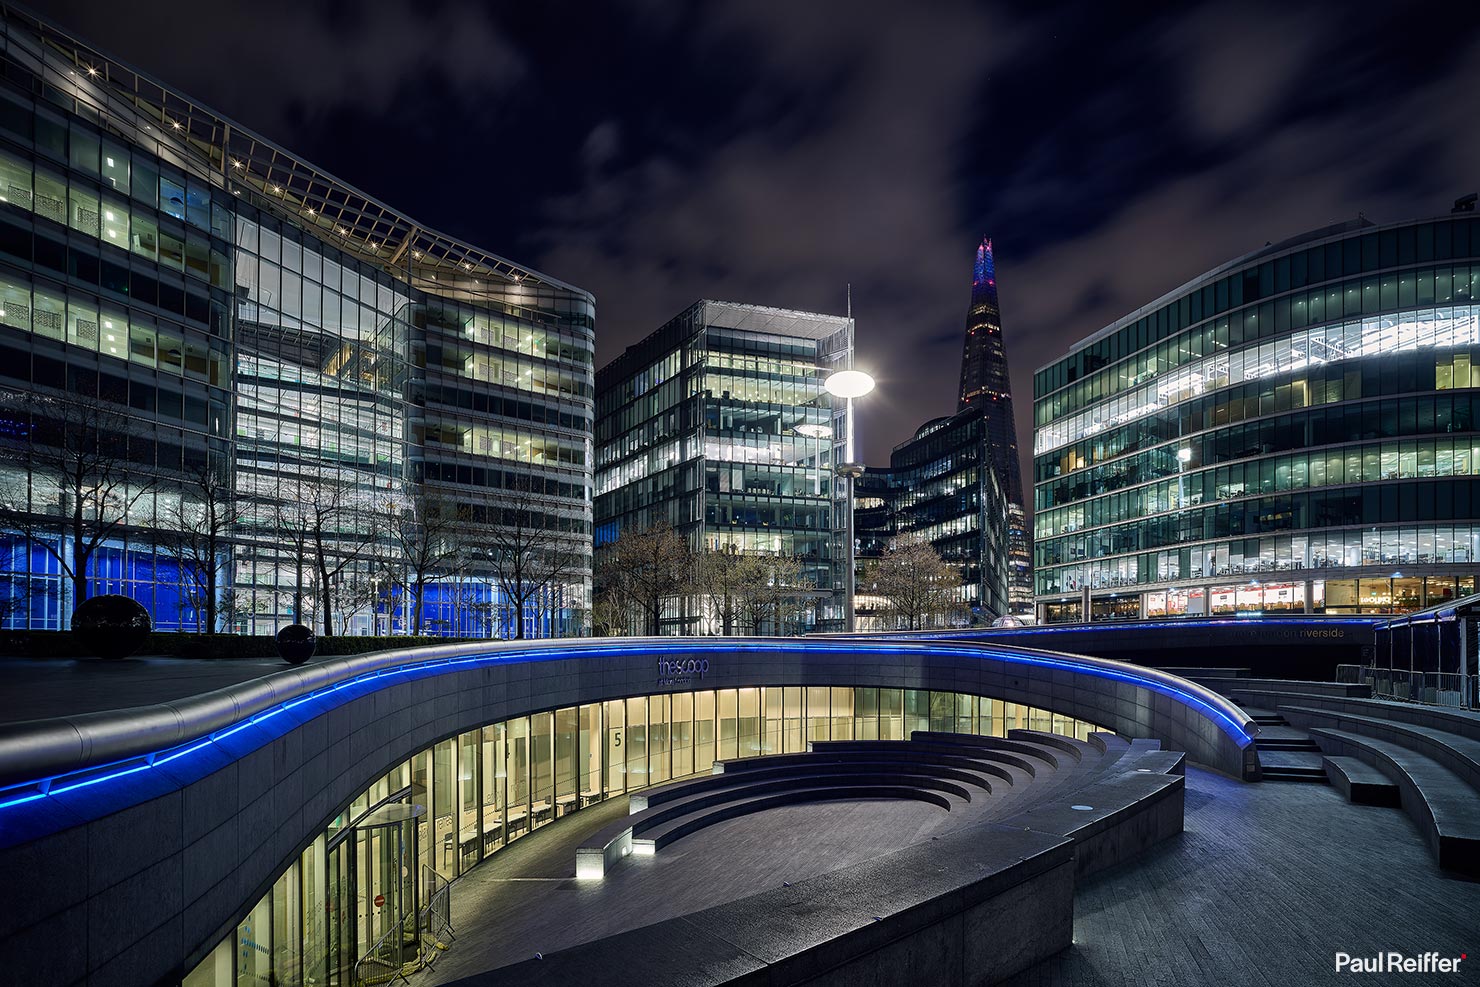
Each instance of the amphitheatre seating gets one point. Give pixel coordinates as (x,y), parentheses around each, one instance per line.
(994,777)
(661,815)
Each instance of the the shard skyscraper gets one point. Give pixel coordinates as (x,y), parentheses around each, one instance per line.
(985,383)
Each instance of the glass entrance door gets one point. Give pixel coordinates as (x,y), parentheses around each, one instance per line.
(373,893)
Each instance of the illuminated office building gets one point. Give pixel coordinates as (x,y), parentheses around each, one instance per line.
(942,488)
(1292,431)
(719,425)
(260,319)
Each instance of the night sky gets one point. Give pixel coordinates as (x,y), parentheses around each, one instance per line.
(657,152)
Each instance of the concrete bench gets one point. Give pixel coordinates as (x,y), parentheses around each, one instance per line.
(1360,783)
(1445,809)
(1147,757)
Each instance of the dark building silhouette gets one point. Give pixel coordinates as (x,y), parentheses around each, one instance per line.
(985,384)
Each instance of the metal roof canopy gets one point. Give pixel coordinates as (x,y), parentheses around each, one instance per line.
(776,321)
(339,213)
(1465,606)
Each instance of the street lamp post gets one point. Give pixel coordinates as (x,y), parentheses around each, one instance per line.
(849,384)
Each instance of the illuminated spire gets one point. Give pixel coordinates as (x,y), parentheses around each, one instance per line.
(985,273)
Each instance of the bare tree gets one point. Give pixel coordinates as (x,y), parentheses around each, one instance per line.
(646,568)
(727,580)
(291,519)
(529,552)
(197,530)
(423,530)
(918,587)
(775,593)
(78,487)
(357,592)
(326,530)
(15,595)
(611,607)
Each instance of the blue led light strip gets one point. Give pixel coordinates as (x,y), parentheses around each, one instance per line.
(25,792)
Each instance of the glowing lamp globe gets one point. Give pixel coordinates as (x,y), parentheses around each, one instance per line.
(849,384)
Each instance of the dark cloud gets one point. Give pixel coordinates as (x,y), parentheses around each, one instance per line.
(843,168)
(279,65)
(658,151)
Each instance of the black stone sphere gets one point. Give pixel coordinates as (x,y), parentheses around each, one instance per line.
(296,643)
(111,626)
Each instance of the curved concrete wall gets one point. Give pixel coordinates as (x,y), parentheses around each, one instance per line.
(154,829)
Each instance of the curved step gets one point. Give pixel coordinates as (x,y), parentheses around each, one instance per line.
(1077,749)
(999,747)
(1446,810)
(1459,754)
(1110,744)
(667,832)
(634,834)
(977,774)
(1361,783)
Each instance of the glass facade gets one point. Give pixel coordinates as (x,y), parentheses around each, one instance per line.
(256,319)
(431,818)
(1293,432)
(941,486)
(719,425)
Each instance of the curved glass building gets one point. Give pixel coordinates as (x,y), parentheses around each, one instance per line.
(1293,431)
(323,360)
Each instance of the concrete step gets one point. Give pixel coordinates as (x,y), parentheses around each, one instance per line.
(1265,717)
(1438,800)
(1293,766)
(1361,783)
(1282,732)
(1285,745)
(1458,753)
(1315,775)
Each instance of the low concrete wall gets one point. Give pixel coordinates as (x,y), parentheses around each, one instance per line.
(971,907)
(140,874)
(1124,815)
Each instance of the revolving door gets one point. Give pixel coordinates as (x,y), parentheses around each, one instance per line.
(374,933)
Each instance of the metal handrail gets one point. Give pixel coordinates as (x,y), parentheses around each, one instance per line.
(386,958)
(1429,688)
(436,914)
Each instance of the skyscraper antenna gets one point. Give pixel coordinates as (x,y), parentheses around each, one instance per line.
(850,301)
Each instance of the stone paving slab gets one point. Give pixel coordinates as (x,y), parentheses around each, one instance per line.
(1266,884)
